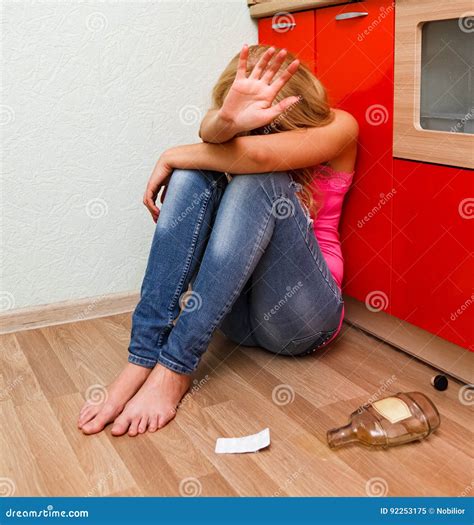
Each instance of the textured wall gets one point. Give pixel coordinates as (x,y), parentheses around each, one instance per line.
(92,92)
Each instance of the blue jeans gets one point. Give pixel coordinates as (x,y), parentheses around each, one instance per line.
(248,249)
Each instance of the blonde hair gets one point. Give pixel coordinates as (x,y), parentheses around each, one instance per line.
(312,109)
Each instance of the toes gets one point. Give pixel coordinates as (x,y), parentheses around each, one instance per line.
(86,415)
(153,424)
(95,425)
(84,408)
(143,425)
(166,417)
(121,425)
(133,430)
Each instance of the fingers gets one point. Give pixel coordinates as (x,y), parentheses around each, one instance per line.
(274,66)
(262,63)
(163,194)
(242,67)
(149,202)
(285,76)
(282,106)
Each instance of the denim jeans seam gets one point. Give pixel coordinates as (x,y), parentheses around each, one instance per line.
(317,262)
(277,192)
(180,369)
(234,293)
(136,359)
(187,265)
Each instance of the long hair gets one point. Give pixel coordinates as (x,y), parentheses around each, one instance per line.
(312,109)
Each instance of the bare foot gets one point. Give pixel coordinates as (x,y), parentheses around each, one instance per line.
(155,403)
(95,416)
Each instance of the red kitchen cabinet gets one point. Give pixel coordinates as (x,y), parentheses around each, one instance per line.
(405,229)
(432,260)
(293,31)
(353,57)
(354,60)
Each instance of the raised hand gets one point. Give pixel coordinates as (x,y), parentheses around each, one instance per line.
(249,103)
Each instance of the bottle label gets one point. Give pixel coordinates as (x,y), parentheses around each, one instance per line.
(393,409)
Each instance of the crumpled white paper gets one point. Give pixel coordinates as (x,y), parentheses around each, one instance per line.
(243,444)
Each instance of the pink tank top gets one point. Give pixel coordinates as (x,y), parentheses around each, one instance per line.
(329,189)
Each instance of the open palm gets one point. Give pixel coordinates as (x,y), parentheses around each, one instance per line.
(249,102)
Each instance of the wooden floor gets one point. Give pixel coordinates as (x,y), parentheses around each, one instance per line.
(46,372)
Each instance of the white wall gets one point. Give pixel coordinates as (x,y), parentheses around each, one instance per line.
(92,92)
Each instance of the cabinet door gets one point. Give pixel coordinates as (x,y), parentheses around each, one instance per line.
(354,60)
(432,250)
(293,31)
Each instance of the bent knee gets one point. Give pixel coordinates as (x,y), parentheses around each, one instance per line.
(181,178)
(273,183)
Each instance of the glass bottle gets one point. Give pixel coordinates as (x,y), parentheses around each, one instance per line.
(391,421)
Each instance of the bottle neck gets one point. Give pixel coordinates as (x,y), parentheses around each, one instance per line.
(337,437)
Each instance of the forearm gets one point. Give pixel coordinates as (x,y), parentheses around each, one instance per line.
(215,128)
(288,150)
(229,157)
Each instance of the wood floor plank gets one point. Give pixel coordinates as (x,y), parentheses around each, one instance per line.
(180,452)
(18,381)
(104,468)
(243,475)
(84,354)
(306,417)
(17,462)
(50,374)
(45,373)
(150,469)
(60,469)
(312,452)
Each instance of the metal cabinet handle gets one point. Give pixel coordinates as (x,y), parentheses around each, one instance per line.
(354,14)
(278,26)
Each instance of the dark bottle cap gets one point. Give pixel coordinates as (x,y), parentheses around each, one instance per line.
(440,382)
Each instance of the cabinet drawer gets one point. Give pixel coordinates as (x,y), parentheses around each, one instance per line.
(293,31)
(432,263)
